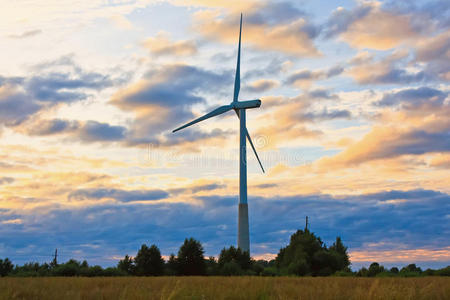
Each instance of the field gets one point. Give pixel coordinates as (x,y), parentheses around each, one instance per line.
(224,288)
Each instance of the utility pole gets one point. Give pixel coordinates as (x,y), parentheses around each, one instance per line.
(306,224)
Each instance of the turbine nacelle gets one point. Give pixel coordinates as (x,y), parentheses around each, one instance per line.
(246,104)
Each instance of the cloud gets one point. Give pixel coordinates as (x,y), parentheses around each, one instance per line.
(266,185)
(387,142)
(413,98)
(197,188)
(388,70)
(261,85)
(410,121)
(370,26)
(26,34)
(269,26)
(118,195)
(304,78)
(15,106)
(293,119)
(262,68)
(366,222)
(65,87)
(121,22)
(341,19)
(326,115)
(440,160)
(166,94)
(434,52)
(160,45)
(435,13)
(21,98)
(6,180)
(95,131)
(54,126)
(88,131)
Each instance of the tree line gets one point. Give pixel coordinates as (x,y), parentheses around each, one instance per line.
(305,255)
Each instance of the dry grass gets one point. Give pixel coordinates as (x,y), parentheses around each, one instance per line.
(224,288)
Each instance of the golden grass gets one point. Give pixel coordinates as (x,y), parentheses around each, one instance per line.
(426,288)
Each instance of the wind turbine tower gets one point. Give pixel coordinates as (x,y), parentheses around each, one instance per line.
(239,107)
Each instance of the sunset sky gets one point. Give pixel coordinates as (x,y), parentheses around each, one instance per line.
(353,130)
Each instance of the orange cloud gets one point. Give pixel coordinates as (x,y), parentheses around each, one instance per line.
(380,30)
(161,45)
(406,256)
(288,38)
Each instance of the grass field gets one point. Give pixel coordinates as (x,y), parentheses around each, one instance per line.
(224,288)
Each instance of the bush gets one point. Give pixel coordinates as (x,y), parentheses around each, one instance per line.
(231,269)
(270,271)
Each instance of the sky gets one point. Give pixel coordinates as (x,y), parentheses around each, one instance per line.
(353,130)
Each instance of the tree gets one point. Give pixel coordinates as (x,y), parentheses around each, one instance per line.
(306,254)
(148,261)
(374,269)
(127,265)
(411,268)
(394,270)
(190,258)
(340,252)
(171,265)
(297,258)
(235,255)
(70,268)
(212,267)
(5,267)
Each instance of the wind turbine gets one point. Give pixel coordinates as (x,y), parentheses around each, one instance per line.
(239,107)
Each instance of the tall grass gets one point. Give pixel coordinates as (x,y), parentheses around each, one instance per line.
(426,288)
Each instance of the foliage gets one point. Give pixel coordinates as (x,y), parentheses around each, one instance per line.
(306,254)
(148,261)
(171,267)
(374,269)
(126,265)
(5,267)
(234,261)
(190,258)
(212,267)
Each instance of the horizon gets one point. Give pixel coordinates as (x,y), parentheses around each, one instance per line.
(353,129)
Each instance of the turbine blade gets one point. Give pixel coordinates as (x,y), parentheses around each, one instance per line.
(251,144)
(218,111)
(254,150)
(237,78)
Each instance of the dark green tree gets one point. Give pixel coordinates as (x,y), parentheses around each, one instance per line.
(235,255)
(190,258)
(127,265)
(374,269)
(394,270)
(411,268)
(341,256)
(306,254)
(297,258)
(171,266)
(5,267)
(148,261)
(70,268)
(212,267)
(362,272)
